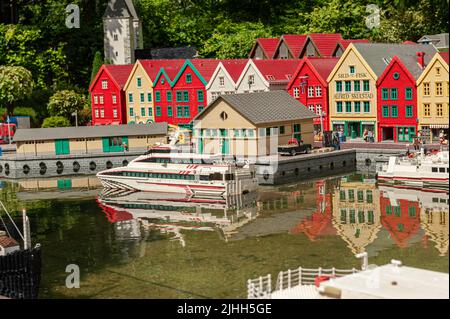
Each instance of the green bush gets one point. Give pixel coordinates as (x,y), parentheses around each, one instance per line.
(55,121)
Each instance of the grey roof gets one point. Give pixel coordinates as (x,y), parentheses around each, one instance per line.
(120,9)
(379,55)
(188,52)
(266,107)
(34,134)
(440,41)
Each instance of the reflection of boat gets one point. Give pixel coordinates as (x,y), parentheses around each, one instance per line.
(196,175)
(431,170)
(174,212)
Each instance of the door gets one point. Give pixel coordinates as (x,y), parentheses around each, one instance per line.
(297,132)
(62,147)
(354,129)
(225,141)
(200,145)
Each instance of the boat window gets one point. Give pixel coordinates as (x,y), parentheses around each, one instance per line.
(215,177)
(441,169)
(434,169)
(229,177)
(204,177)
(447,170)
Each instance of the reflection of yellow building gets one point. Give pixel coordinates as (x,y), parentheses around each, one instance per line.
(63,183)
(432,97)
(435,224)
(356,213)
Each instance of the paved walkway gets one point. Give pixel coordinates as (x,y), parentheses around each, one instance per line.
(380,145)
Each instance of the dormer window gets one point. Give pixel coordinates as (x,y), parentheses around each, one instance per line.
(104,85)
(251,79)
(188,78)
(221,81)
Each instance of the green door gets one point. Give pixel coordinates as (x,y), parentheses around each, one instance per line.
(405,134)
(64,183)
(114,144)
(297,132)
(62,147)
(200,145)
(225,141)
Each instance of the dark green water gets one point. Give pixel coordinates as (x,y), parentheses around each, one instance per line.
(321,223)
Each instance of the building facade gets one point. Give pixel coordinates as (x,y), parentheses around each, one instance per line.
(107,95)
(243,124)
(223,80)
(309,86)
(433,98)
(264,48)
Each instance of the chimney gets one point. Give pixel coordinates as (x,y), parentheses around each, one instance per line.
(420,59)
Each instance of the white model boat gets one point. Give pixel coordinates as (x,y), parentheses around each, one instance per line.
(431,170)
(195,175)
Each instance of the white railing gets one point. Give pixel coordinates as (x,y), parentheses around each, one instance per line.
(261,288)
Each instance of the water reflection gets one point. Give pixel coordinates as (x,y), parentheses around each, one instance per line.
(365,216)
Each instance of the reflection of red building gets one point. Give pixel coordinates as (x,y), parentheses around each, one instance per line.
(402,220)
(113,214)
(319,223)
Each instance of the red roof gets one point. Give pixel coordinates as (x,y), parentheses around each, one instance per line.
(325,42)
(119,73)
(206,67)
(444,55)
(268,45)
(345,43)
(323,66)
(277,70)
(234,67)
(152,67)
(295,43)
(409,42)
(7,242)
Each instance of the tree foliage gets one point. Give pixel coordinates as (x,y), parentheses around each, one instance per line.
(55,121)
(64,103)
(96,64)
(16,83)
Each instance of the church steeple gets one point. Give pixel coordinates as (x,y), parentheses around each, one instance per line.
(122,32)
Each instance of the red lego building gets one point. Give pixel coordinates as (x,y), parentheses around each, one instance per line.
(182,96)
(397,103)
(107,95)
(402,221)
(309,86)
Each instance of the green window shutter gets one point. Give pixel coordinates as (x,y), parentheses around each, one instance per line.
(179,96)
(370,217)
(394,111)
(348,107)
(384,94)
(105,143)
(352,216)
(186,111)
(343,216)
(361,217)
(351,195)
(348,86)
(169,110)
(338,86)
(149,97)
(130,97)
(158,111)
(400,227)
(409,111)
(150,111)
(179,111)
(342,195)
(131,111)
(185,96)
(360,195)
(366,85)
(388,210)
(357,86)
(142,97)
(397,211)
(139,82)
(352,69)
(158,96)
(169,96)
(297,128)
(366,106)
(200,95)
(412,211)
(142,111)
(369,197)
(357,107)
(385,111)
(394,94)
(339,107)
(408,94)
(200,108)
(188,78)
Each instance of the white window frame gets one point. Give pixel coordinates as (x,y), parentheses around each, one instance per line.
(311,107)
(104,84)
(221,81)
(296,92)
(310,91)
(96,113)
(102,113)
(115,113)
(102,100)
(318,91)
(114,99)
(95,99)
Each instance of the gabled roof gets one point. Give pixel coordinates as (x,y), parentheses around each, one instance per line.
(444,56)
(268,45)
(379,55)
(169,71)
(325,43)
(33,134)
(234,67)
(118,74)
(440,40)
(152,67)
(120,9)
(276,71)
(205,67)
(264,107)
(321,67)
(294,42)
(438,56)
(346,42)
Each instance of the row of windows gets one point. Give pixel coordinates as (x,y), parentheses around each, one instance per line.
(142,97)
(394,94)
(350,195)
(313,91)
(439,109)
(315,108)
(439,169)
(355,109)
(438,88)
(100,113)
(159,175)
(392,111)
(224,133)
(397,212)
(347,85)
(99,99)
(363,217)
